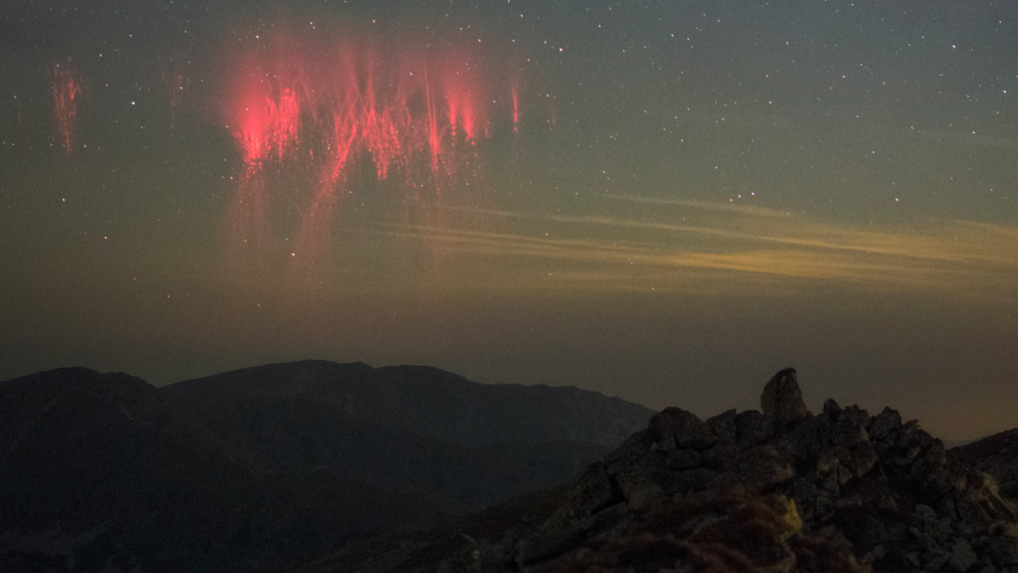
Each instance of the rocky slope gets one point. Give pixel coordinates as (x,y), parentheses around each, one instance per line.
(254,469)
(996,455)
(778,490)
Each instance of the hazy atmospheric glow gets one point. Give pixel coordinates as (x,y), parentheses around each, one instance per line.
(663,201)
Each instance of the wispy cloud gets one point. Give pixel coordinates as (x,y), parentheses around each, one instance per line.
(704,205)
(752,246)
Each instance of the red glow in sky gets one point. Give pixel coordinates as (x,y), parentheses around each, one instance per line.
(416,112)
(175,84)
(394,104)
(66,88)
(516,108)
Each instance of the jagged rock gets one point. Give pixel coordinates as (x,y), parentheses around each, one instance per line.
(864,494)
(720,456)
(753,428)
(724,426)
(760,469)
(674,428)
(782,399)
(683,459)
(831,405)
(886,422)
(687,481)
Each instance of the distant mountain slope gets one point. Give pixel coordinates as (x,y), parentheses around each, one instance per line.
(432,403)
(253,469)
(996,455)
(92,462)
(470,444)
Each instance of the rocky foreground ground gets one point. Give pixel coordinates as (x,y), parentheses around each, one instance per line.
(778,490)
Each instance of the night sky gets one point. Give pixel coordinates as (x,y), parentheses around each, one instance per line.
(667,201)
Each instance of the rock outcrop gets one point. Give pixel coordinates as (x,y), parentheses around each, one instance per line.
(782,399)
(996,455)
(779,491)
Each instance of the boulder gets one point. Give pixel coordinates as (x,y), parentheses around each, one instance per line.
(782,399)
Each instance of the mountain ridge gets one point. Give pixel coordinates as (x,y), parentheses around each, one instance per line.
(401,381)
(254,469)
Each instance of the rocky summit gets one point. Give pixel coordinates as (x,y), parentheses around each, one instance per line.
(781,490)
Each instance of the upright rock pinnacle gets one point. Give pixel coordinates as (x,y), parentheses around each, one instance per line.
(782,398)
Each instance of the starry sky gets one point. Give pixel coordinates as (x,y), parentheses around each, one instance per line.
(665,201)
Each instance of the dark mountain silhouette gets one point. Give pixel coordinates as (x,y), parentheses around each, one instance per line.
(98,470)
(254,469)
(780,490)
(951,444)
(416,427)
